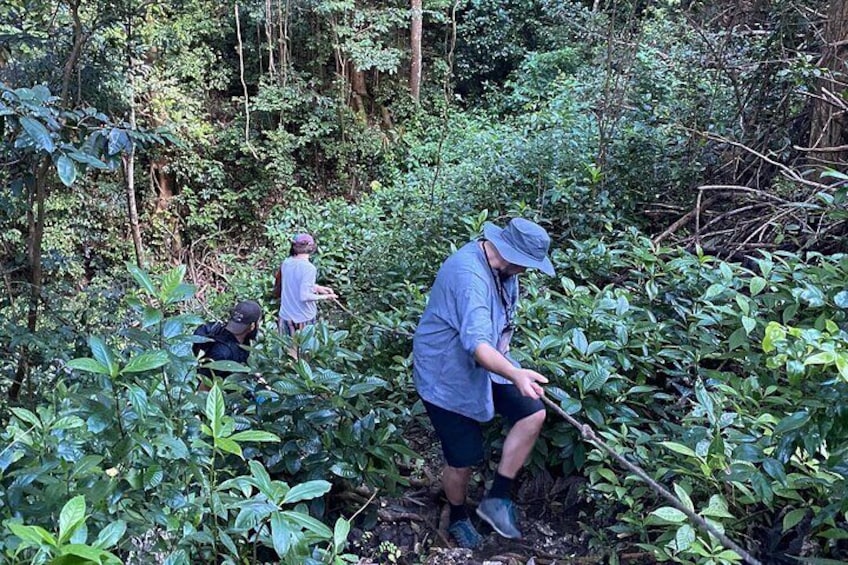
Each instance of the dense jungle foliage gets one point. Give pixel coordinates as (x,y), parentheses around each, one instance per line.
(687,157)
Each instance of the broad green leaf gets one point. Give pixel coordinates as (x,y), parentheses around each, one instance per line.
(281,534)
(793,517)
(579,341)
(774,333)
(35,535)
(262,479)
(714,290)
(608,475)
(308,522)
(738,339)
(87,159)
(340,533)
(228,445)
(110,535)
(823,358)
(146,361)
(749,324)
(171,282)
(179,557)
(756,285)
(252,514)
(684,537)
(71,517)
(842,364)
(138,399)
(38,133)
(595,379)
(669,514)
(67,170)
(117,140)
(679,448)
(90,554)
(792,422)
(834,533)
(88,365)
(307,491)
(142,279)
(227,367)
(717,508)
(151,317)
(25,415)
(183,292)
(215,409)
(103,353)
(254,435)
(684,497)
(706,400)
(743,303)
(841,299)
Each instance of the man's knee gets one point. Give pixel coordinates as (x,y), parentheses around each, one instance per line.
(533,423)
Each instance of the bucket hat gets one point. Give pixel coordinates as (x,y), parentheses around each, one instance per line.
(523,243)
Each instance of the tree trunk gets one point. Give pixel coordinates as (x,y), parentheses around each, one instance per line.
(36,215)
(35,221)
(828,122)
(415,32)
(132,209)
(358,91)
(76,50)
(129,158)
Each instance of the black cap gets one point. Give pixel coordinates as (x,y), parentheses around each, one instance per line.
(244,314)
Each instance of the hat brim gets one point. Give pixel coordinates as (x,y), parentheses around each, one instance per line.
(495,234)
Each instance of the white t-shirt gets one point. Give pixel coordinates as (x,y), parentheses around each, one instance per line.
(297,296)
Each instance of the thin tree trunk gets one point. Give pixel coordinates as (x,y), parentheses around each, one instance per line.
(283,41)
(36,216)
(35,221)
(415,32)
(243,83)
(76,50)
(132,208)
(269,35)
(129,158)
(828,122)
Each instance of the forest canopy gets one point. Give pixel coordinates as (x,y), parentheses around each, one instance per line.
(687,158)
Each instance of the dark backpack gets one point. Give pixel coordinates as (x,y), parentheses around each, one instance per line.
(277,292)
(209,330)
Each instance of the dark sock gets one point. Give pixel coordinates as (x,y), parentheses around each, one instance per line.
(458,512)
(501,487)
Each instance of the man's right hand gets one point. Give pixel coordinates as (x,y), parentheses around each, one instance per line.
(528,382)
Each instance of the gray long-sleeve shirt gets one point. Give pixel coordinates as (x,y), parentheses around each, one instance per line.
(297,295)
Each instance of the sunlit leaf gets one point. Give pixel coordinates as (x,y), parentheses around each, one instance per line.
(38,133)
(71,517)
(67,170)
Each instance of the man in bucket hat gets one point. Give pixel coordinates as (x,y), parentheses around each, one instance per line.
(464,374)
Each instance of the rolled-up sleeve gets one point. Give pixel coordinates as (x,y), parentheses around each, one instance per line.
(307,286)
(475,316)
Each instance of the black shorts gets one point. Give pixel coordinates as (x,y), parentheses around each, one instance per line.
(462,437)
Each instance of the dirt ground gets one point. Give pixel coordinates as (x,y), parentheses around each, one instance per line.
(412,528)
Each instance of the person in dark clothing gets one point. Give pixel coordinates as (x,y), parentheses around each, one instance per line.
(230,340)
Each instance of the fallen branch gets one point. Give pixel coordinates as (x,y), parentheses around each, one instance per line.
(681,222)
(589,435)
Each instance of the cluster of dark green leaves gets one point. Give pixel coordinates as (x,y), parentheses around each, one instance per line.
(661,350)
(122,429)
